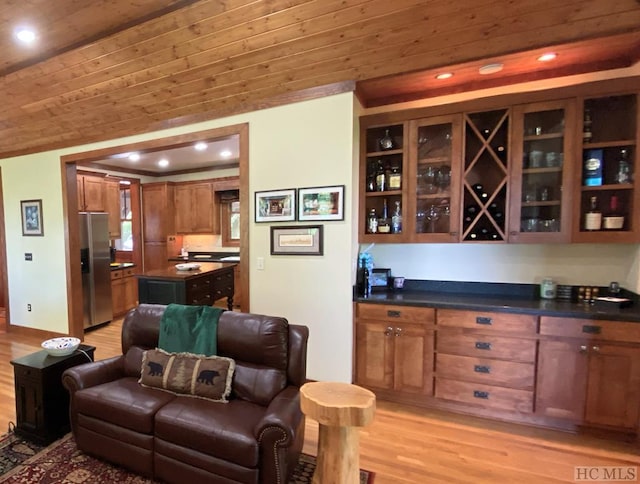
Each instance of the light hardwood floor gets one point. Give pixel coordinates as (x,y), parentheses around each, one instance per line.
(410,445)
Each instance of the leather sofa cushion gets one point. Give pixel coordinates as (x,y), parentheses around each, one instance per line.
(185,373)
(123,402)
(221,431)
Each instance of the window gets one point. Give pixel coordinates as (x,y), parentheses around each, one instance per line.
(230,221)
(126,237)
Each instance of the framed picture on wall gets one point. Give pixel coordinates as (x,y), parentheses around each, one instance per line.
(321,203)
(276,205)
(296,240)
(32,223)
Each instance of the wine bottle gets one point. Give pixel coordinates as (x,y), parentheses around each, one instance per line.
(613,219)
(624,168)
(593,217)
(384,227)
(396,219)
(365,280)
(395,177)
(587,135)
(381,178)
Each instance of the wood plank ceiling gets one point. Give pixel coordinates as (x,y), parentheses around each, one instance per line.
(110,68)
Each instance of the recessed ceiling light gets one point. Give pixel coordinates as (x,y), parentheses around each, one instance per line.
(547,57)
(25,35)
(200,146)
(134,157)
(444,75)
(490,68)
(163,163)
(225,153)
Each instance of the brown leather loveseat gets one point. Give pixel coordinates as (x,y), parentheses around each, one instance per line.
(254,438)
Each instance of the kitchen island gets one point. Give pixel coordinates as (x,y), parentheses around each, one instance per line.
(203,286)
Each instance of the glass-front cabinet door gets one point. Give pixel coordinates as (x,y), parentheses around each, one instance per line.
(541,182)
(434,178)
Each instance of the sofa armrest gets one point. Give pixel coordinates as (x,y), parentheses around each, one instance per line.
(281,420)
(91,374)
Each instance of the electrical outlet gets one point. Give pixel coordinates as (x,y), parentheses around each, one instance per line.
(29,307)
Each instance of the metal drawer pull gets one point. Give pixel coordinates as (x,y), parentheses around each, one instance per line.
(591,329)
(483,345)
(479,394)
(393,314)
(388,331)
(483,320)
(398,331)
(595,348)
(583,348)
(481,369)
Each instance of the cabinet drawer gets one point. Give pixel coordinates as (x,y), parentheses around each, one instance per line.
(128,272)
(116,274)
(486,396)
(404,314)
(590,329)
(484,370)
(26,374)
(486,346)
(488,321)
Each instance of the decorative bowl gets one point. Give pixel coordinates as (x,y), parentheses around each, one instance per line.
(61,346)
(188,266)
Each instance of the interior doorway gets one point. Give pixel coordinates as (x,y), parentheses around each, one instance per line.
(70,195)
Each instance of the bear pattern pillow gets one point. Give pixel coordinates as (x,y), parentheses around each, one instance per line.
(188,374)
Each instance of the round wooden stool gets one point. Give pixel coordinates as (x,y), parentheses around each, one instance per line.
(339,408)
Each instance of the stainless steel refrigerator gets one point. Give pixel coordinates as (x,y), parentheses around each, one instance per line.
(96,270)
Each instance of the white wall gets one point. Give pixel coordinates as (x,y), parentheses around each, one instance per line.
(574,264)
(299,145)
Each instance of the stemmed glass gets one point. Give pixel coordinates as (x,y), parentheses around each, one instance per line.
(432,216)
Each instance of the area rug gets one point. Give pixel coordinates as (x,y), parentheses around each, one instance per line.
(62,463)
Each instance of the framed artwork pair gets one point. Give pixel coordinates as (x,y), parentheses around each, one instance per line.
(303,204)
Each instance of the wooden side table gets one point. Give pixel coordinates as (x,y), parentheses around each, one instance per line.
(339,408)
(42,403)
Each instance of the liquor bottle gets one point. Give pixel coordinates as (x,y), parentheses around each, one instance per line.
(624,168)
(587,135)
(396,219)
(592,168)
(593,217)
(384,227)
(386,142)
(372,222)
(362,280)
(613,219)
(395,177)
(381,178)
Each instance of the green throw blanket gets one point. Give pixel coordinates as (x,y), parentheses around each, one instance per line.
(190,329)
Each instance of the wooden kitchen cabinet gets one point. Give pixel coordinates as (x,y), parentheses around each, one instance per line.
(599,381)
(614,133)
(542,182)
(394,349)
(158,222)
(486,359)
(433,179)
(91,193)
(383,181)
(112,206)
(124,290)
(196,209)
(516,166)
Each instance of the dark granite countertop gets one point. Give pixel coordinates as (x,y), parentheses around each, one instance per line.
(509,298)
(171,273)
(121,265)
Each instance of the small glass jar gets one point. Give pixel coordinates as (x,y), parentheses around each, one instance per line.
(547,289)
